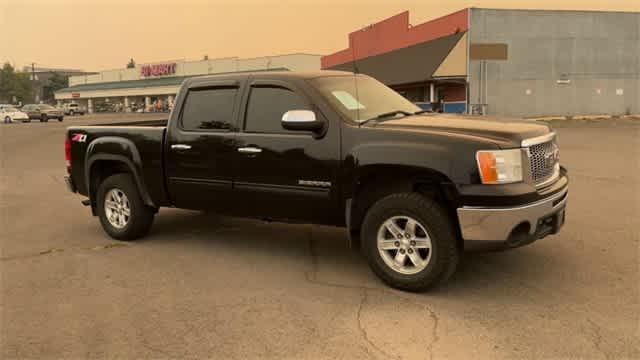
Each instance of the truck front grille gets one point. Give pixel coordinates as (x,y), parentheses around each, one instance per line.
(544,159)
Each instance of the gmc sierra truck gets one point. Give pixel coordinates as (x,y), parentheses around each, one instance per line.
(414,189)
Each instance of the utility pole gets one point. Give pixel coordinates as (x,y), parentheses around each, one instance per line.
(33,81)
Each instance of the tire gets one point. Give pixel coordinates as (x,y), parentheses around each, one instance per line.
(7,120)
(141,216)
(61,118)
(44,118)
(440,257)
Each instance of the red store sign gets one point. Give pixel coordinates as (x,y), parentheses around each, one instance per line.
(75,95)
(158,69)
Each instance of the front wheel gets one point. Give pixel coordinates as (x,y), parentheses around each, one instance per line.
(44,118)
(122,213)
(7,120)
(410,242)
(60,118)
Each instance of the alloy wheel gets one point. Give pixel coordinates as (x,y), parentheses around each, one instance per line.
(404,245)
(117,208)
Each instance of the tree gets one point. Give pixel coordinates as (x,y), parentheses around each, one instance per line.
(15,85)
(55,83)
(131,64)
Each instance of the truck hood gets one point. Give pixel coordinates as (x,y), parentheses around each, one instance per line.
(506,133)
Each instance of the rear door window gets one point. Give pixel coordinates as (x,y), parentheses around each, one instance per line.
(209,109)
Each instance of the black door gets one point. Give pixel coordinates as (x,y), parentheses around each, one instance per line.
(284,174)
(201,147)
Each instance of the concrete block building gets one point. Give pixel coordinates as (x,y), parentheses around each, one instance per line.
(521,63)
(138,88)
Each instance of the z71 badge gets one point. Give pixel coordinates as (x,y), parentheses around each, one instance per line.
(79,137)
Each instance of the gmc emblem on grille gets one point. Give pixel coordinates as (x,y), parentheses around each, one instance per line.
(553,157)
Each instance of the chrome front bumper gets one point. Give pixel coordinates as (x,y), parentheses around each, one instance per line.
(543,217)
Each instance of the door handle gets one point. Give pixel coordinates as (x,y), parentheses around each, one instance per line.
(180,147)
(249,150)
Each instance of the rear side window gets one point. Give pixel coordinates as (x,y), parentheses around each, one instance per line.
(266,106)
(209,109)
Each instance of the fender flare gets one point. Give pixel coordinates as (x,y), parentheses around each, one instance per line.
(129,156)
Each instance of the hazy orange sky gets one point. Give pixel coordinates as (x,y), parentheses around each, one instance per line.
(99,35)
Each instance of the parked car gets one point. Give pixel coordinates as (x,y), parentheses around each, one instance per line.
(72,109)
(43,112)
(103,107)
(10,113)
(413,189)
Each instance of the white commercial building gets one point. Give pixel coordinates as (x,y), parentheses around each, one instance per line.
(148,87)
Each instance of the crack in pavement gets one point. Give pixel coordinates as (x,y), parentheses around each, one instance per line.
(363,331)
(311,277)
(54,250)
(597,337)
(434,331)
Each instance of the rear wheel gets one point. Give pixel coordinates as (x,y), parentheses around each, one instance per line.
(410,242)
(122,213)
(60,118)
(44,118)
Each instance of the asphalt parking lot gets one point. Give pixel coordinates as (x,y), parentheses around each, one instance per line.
(202,286)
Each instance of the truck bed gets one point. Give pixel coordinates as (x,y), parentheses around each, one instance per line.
(140,142)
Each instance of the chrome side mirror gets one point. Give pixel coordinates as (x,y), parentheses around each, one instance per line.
(302,120)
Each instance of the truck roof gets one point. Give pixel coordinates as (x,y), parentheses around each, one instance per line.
(270,75)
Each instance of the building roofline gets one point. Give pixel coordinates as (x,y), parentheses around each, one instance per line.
(557,10)
(396,32)
(280,55)
(210,59)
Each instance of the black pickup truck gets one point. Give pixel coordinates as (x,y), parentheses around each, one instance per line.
(413,189)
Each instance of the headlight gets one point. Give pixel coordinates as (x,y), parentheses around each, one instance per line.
(500,166)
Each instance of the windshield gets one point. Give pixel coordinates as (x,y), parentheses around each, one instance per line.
(46,107)
(371,99)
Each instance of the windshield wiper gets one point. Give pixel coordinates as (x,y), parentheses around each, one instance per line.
(386,115)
